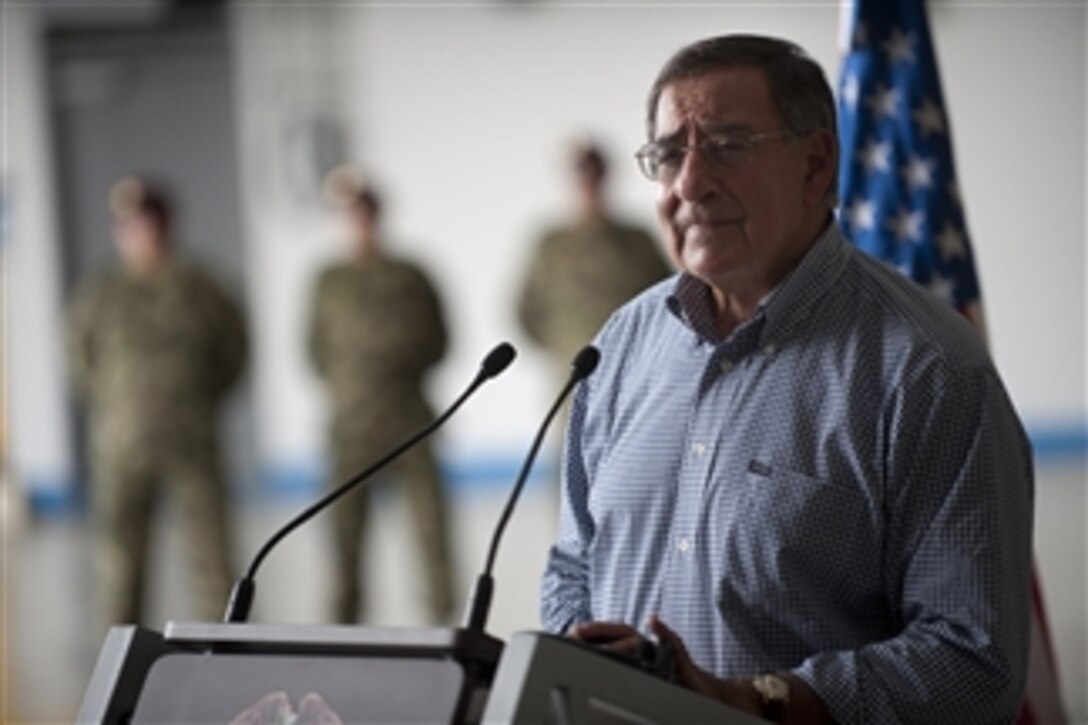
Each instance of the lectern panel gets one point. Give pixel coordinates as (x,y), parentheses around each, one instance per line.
(251,689)
(304,674)
(548,680)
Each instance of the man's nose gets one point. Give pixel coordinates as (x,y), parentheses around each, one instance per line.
(697,176)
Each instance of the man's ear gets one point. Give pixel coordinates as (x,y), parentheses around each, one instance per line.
(822,164)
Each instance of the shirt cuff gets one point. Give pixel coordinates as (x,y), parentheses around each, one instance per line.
(833,676)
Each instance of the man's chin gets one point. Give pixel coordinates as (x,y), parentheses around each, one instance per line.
(708,269)
(709,254)
(712,236)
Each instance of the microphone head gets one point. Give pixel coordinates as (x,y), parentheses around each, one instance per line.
(585,362)
(497,360)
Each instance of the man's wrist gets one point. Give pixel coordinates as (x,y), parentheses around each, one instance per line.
(736,692)
(774,696)
(803,704)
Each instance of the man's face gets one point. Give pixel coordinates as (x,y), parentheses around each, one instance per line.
(361,221)
(740,226)
(138,237)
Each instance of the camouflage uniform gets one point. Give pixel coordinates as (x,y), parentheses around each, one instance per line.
(578,276)
(153,359)
(376,328)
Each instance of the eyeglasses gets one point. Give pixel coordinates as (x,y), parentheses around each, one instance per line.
(662,162)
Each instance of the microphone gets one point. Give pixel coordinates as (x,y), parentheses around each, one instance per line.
(479,603)
(241,597)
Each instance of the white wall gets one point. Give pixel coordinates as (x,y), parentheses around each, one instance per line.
(40,452)
(1014,77)
(286,75)
(466,112)
(461,112)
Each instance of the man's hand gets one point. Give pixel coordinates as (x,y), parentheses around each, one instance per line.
(735,692)
(626,640)
(609,636)
(805,706)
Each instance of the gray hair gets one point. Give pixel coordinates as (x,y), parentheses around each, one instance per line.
(798,85)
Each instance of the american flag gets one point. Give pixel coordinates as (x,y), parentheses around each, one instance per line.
(900,202)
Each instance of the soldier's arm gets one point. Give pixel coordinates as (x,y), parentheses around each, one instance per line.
(80,337)
(652,261)
(315,330)
(532,305)
(236,341)
(230,341)
(435,338)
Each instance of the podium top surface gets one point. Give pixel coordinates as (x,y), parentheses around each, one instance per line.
(438,641)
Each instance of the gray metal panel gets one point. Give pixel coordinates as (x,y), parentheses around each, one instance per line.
(547,679)
(156,100)
(118,676)
(434,642)
(209,670)
(252,688)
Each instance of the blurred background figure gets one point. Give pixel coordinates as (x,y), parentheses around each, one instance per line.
(376,329)
(584,268)
(155,345)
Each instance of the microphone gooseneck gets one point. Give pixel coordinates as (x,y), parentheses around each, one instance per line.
(241,597)
(479,604)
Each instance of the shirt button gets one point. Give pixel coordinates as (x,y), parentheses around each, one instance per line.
(726,366)
(770,349)
(698,448)
(683,545)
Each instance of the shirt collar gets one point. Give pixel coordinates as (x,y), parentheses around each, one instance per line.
(782,309)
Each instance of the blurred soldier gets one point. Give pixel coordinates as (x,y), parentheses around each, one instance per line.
(582,271)
(376,329)
(155,344)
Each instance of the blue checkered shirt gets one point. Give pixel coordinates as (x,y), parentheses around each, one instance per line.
(841,488)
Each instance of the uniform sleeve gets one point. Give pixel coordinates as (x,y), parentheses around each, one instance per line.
(959,497)
(651,262)
(435,339)
(316,334)
(230,343)
(532,304)
(80,338)
(564,596)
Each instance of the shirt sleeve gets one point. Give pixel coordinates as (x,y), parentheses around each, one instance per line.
(565,585)
(958,500)
(81,325)
(434,339)
(533,306)
(225,331)
(233,342)
(316,333)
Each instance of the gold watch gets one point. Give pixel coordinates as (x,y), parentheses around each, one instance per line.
(775,694)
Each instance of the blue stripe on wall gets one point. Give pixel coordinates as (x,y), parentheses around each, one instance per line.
(304,480)
(461,474)
(54,498)
(1053,443)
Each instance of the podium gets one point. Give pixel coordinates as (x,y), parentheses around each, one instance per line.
(251,674)
(254,673)
(551,680)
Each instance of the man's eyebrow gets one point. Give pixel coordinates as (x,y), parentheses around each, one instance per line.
(726,127)
(671,139)
(711,127)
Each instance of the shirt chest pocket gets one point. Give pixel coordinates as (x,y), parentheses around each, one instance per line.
(795,531)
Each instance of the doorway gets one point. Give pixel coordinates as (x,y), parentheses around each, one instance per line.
(152,96)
